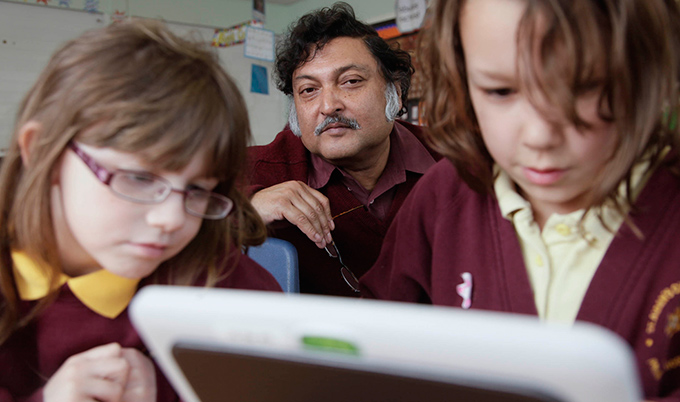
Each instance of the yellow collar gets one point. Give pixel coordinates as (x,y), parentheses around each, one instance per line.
(101,291)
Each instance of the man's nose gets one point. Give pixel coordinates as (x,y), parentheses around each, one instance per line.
(331,102)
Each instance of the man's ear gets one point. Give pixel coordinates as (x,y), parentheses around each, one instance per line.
(401,104)
(28,133)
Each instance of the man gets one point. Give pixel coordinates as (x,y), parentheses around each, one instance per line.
(333,180)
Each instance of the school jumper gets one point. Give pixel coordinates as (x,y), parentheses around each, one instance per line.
(445,229)
(67,327)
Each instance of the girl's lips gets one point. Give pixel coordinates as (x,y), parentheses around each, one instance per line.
(543,177)
(149,250)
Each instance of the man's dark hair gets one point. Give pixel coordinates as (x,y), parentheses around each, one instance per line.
(314,30)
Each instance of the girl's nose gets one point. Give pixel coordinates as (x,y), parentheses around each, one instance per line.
(540,133)
(169,215)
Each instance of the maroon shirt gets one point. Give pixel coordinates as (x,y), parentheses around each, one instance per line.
(358,233)
(407,153)
(445,229)
(35,352)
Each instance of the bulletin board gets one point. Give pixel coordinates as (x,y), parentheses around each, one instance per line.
(30,33)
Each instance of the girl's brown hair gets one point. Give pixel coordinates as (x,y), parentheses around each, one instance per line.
(134,87)
(629,48)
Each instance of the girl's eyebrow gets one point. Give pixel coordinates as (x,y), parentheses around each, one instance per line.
(490,75)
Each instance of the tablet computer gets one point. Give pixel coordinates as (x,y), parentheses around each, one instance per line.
(235,345)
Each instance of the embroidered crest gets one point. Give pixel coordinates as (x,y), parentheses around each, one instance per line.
(665,306)
(673,324)
(464,290)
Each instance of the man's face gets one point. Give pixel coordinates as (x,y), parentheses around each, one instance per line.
(340,100)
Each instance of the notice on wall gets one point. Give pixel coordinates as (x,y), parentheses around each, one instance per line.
(259,44)
(258,81)
(410,14)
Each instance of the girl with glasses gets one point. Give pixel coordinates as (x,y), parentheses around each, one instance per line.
(560,195)
(121,173)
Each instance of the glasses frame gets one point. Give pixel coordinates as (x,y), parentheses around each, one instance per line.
(105,176)
(346,273)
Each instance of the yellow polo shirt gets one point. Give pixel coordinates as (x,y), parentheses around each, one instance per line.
(101,291)
(560,260)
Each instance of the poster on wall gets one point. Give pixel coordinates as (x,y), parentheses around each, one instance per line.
(259,44)
(410,14)
(258,80)
(258,10)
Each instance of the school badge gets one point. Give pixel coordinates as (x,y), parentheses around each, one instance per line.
(664,317)
(673,324)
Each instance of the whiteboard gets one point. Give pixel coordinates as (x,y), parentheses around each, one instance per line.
(29,34)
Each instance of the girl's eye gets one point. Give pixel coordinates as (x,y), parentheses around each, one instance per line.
(193,187)
(141,178)
(500,92)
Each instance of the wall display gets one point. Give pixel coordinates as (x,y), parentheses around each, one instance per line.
(410,14)
(29,34)
(259,44)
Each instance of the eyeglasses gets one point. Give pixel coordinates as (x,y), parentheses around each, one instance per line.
(148,188)
(346,273)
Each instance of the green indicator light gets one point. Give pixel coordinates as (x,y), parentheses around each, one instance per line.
(329,345)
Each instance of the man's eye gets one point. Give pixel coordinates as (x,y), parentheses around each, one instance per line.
(306,91)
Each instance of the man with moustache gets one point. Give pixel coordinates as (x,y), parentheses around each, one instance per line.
(332,181)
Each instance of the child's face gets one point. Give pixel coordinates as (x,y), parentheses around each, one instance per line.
(554,165)
(97,229)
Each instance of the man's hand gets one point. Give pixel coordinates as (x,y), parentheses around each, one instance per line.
(98,374)
(300,205)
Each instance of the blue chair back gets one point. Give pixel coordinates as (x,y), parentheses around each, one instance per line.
(280,258)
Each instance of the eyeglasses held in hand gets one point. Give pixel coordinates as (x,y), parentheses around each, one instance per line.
(346,273)
(148,188)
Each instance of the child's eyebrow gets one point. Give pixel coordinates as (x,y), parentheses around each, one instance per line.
(490,75)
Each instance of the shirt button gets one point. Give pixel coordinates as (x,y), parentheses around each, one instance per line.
(590,238)
(563,229)
(538,260)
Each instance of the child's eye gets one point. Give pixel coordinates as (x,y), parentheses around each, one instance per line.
(500,92)
(140,178)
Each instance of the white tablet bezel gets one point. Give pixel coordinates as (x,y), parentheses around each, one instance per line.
(576,363)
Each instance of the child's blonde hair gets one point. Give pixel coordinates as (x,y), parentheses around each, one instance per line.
(137,88)
(629,48)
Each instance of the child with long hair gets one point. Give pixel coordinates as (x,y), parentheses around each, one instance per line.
(121,173)
(560,194)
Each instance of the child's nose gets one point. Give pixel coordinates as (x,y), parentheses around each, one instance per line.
(170,215)
(540,133)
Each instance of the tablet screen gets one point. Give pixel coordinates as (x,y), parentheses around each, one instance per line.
(223,374)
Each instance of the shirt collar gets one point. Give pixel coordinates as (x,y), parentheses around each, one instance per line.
(407,153)
(101,291)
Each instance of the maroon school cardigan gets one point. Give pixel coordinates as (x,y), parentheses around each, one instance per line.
(445,229)
(67,327)
(358,234)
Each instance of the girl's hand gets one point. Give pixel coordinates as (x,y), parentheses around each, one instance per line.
(98,374)
(141,381)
